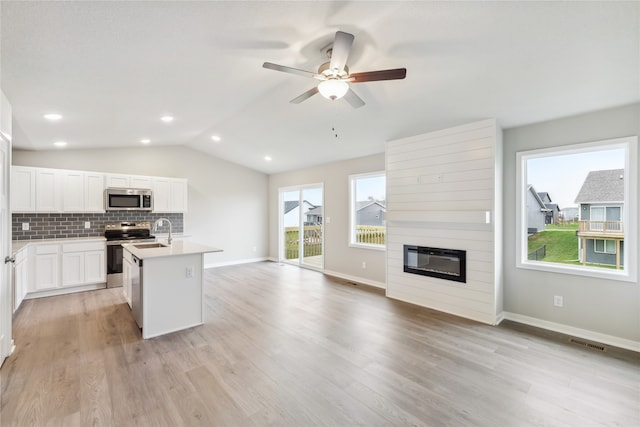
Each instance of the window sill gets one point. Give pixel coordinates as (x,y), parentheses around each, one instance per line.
(601,273)
(365,246)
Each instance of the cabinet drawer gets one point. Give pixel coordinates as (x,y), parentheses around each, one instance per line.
(46,249)
(83,247)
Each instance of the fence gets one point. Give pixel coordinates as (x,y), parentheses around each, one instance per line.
(371,234)
(312,239)
(538,254)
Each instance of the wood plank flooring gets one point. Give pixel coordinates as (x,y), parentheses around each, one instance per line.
(286,346)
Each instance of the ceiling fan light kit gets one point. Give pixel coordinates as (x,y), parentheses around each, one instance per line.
(333,88)
(334,75)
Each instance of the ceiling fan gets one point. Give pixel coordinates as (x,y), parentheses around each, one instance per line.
(334,75)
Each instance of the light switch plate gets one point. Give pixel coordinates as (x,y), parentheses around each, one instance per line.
(87,224)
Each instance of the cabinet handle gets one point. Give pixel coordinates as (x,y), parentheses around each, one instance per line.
(8,259)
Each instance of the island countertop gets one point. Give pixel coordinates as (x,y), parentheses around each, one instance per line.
(177,247)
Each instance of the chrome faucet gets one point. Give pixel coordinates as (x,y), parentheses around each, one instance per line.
(159,222)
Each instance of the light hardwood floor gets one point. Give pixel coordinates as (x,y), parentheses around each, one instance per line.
(288,346)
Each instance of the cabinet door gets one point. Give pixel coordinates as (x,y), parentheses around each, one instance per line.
(178,199)
(140,182)
(161,195)
(126,280)
(47,190)
(72,191)
(73,269)
(45,271)
(19,283)
(94,267)
(117,181)
(93,192)
(23,189)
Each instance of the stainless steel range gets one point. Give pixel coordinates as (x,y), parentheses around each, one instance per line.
(117,234)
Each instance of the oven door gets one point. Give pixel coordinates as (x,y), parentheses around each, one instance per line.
(114,265)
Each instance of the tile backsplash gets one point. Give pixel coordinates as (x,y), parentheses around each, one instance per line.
(61,225)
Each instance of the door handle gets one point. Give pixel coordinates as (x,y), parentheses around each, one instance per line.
(9,259)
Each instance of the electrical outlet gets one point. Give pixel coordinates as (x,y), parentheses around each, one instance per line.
(558,300)
(364,264)
(189,272)
(25,226)
(87,224)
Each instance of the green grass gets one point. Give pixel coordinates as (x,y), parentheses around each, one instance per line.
(562,246)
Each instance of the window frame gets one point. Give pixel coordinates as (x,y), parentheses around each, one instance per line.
(604,246)
(352,211)
(629,210)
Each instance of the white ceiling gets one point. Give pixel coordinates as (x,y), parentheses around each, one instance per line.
(113,68)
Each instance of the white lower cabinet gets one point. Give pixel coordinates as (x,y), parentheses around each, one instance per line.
(20,278)
(51,268)
(46,266)
(126,276)
(83,263)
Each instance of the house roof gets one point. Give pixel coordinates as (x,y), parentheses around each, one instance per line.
(552,206)
(544,195)
(290,205)
(536,196)
(363,204)
(602,186)
(315,211)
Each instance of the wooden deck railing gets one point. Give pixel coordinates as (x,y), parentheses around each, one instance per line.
(371,234)
(601,227)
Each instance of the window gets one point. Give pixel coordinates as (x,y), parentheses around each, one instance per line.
(574,213)
(605,246)
(367,195)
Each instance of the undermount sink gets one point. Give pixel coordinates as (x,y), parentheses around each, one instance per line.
(153,245)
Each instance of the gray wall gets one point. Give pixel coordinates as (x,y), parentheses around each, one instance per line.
(223,197)
(339,256)
(605,306)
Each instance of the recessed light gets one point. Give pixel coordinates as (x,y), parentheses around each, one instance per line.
(145,141)
(167,119)
(267,158)
(53,116)
(216,138)
(60,143)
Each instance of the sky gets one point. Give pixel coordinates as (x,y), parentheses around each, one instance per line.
(562,176)
(374,187)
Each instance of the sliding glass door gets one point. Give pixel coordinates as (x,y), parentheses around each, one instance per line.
(301,225)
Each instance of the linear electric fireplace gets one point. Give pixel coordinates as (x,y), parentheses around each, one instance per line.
(449,264)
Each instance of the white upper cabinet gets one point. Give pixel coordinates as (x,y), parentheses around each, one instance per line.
(127,181)
(23,189)
(72,191)
(56,190)
(169,195)
(93,192)
(47,193)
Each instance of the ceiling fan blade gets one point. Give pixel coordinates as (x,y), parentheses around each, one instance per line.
(372,76)
(308,94)
(353,99)
(290,70)
(340,51)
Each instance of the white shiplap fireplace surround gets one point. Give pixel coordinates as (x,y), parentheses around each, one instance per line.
(444,191)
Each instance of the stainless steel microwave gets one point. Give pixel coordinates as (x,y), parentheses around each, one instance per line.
(128,199)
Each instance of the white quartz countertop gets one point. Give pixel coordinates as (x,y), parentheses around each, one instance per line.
(177,247)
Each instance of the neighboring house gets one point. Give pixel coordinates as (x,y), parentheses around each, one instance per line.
(370,212)
(536,211)
(292,212)
(552,216)
(601,231)
(314,216)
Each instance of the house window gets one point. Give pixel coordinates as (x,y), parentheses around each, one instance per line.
(367,195)
(574,213)
(605,246)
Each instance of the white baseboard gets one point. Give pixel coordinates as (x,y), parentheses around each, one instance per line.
(356,279)
(236,262)
(575,332)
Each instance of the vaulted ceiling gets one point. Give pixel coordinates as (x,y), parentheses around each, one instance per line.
(112,69)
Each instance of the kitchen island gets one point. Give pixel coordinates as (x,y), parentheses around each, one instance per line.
(166,285)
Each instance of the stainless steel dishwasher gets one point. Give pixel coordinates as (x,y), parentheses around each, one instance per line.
(136,290)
